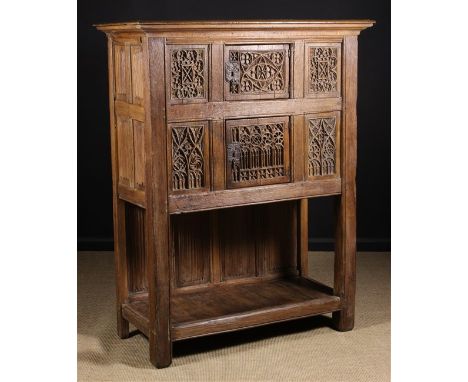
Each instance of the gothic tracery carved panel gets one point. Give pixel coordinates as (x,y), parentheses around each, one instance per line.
(256,72)
(189,156)
(188,68)
(257,151)
(323,70)
(323,145)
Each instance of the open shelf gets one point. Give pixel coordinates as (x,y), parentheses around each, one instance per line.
(230,307)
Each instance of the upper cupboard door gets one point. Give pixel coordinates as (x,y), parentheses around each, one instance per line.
(256,71)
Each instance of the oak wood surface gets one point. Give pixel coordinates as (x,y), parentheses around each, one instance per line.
(158,261)
(345,263)
(118,210)
(252,195)
(204,312)
(220,132)
(242,109)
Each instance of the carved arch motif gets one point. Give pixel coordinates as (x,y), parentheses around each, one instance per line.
(188,160)
(322,146)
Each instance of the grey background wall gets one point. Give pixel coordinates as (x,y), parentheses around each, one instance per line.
(373,175)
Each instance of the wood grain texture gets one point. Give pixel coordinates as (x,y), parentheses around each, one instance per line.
(256,27)
(252,195)
(218,169)
(118,208)
(298,69)
(139,153)
(217,73)
(136,251)
(250,305)
(275,243)
(136,63)
(303,236)
(299,148)
(158,262)
(237,243)
(243,109)
(204,312)
(125,152)
(191,253)
(131,195)
(130,111)
(345,262)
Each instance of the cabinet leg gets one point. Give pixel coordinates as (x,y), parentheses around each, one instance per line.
(343,320)
(122,325)
(345,261)
(160,351)
(345,250)
(120,253)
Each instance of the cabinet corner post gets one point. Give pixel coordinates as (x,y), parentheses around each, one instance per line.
(157,212)
(345,248)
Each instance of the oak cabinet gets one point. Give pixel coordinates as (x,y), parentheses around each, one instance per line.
(220,133)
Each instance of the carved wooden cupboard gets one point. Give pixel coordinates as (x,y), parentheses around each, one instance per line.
(220,133)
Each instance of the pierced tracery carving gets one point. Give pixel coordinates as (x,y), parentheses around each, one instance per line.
(256,152)
(322,146)
(188,74)
(323,69)
(188,161)
(256,72)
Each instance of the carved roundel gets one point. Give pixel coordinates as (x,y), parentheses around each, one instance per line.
(256,72)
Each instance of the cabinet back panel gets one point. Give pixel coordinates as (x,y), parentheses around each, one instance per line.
(237,243)
(191,241)
(234,244)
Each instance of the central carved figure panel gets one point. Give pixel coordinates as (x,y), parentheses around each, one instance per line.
(257,73)
(257,151)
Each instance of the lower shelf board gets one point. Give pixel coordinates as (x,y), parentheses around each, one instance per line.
(231,307)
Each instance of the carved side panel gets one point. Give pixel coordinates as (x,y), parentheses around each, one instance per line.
(136,59)
(257,151)
(323,73)
(323,144)
(189,156)
(125,152)
(122,78)
(139,150)
(191,240)
(187,73)
(131,152)
(256,72)
(129,92)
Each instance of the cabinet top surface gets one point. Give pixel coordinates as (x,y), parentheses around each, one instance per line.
(238,24)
